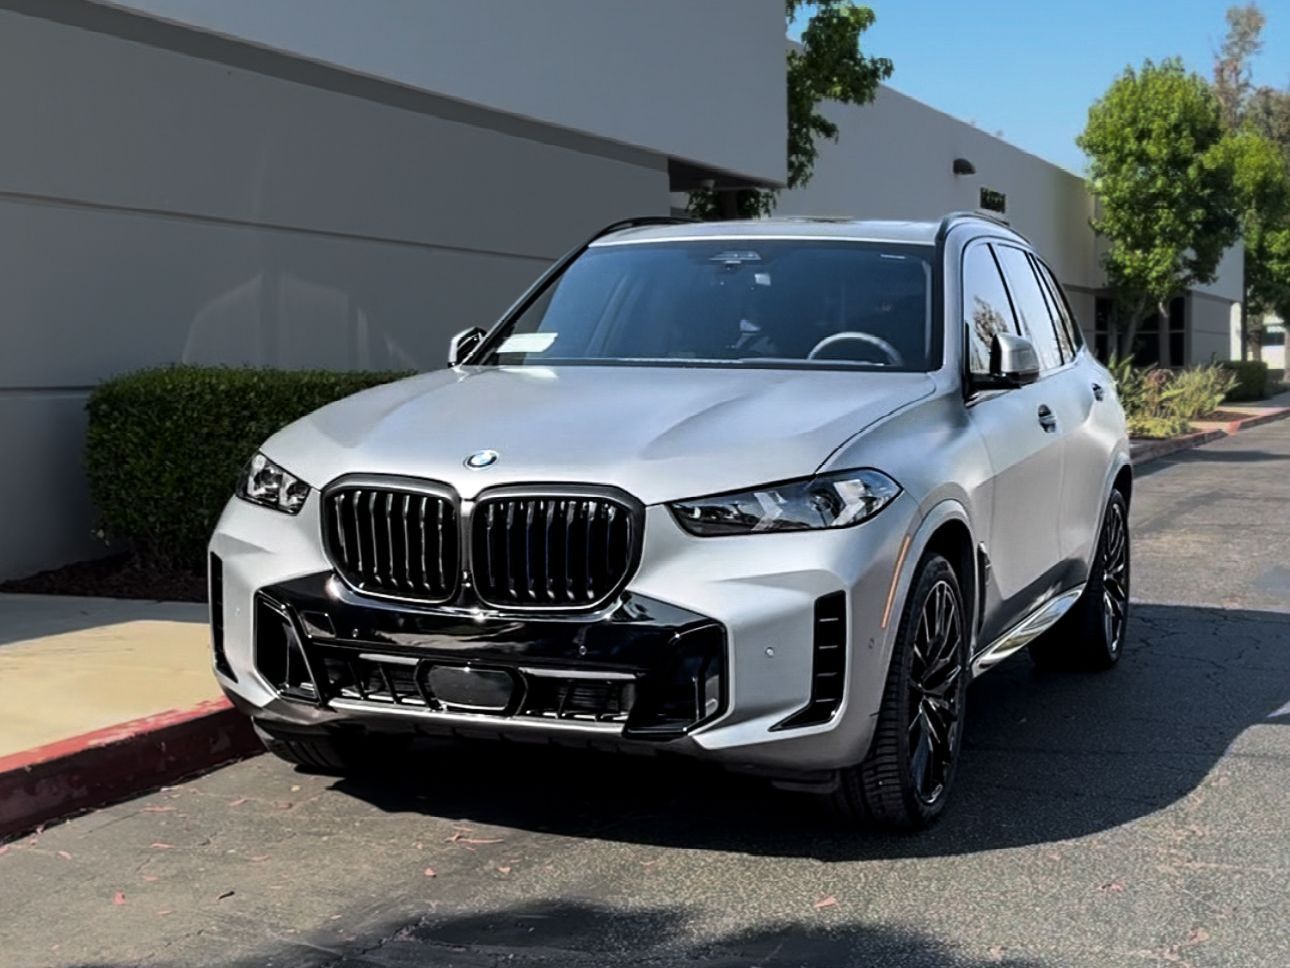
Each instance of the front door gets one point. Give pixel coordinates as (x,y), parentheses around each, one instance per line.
(1023,439)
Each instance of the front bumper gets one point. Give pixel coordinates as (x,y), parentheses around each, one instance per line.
(713,650)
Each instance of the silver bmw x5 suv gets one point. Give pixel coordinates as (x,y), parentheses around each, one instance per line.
(769,493)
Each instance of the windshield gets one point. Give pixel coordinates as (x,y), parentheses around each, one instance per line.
(747,301)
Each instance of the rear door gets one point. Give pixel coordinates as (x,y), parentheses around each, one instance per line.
(1025,455)
(1091,440)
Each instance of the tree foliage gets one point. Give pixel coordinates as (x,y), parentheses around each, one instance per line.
(1163,172)
(1259,119)
(1263,199)
(1244,40)
(829,66)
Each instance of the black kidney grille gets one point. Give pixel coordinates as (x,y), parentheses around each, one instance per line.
(551,552)
(394,542)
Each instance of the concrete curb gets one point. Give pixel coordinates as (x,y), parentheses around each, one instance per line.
(1143,451)
(118,762)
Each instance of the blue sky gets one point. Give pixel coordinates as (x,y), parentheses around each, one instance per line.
(1031,68)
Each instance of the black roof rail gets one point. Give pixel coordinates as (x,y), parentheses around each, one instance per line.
(947,222)
(644,221)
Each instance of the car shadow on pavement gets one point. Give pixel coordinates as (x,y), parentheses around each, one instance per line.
(1047,757)
(580,934)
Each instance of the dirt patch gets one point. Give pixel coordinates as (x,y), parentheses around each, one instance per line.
(118,576)
(1226,416)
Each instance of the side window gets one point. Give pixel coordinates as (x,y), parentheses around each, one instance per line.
(986,309)
(1032,308)
(1063,305)
(1059,323)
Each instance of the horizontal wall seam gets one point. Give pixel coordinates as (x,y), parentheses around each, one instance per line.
(19,391)
(62,201)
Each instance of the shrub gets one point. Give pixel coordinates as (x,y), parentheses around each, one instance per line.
(1251,379)
(165,446)
(1198,392)
(1162,403)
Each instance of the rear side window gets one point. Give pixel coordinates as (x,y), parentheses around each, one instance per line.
(1067,318)
(986,309)
(1031,305)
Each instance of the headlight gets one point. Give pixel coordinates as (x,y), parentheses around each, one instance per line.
(264,482)
(836,500)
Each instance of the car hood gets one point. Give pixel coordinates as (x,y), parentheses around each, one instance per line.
(660,433)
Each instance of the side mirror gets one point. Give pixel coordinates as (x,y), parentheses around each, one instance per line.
(1013,360)
(463,344)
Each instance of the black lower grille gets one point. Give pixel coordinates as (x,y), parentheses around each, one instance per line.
(385,540)
(828,663)
(553,551)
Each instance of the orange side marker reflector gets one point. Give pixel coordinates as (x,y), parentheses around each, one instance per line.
(895,577)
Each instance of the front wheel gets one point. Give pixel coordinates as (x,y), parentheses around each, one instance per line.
(1091,635)
(905,780)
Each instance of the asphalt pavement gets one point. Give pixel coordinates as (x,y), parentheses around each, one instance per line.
(1135,817)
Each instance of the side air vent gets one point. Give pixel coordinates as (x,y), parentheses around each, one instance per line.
(829,663)
(216,595)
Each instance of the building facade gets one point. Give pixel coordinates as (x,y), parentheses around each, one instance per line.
(324,183)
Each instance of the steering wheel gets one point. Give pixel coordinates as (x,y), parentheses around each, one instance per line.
(877,342)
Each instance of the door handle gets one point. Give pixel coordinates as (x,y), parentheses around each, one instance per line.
(1098,392)
(1047,420)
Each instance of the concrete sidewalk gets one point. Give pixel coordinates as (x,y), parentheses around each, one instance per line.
(102,698)
(74,665)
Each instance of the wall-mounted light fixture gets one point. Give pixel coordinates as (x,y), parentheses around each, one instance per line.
(964,167)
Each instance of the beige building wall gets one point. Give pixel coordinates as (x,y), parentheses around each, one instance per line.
(164,207)
(654,75)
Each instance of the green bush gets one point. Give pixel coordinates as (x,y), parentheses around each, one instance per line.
(1251,379)
(1162,403)
(165,446)
(1198,392)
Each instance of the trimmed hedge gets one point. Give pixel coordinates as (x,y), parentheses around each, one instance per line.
(1251,379)
(165,446)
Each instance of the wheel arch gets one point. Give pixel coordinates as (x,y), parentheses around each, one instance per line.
(947,530)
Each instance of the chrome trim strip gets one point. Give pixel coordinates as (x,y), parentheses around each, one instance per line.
(502,723)
(1039,621)
(608,243)
(540,673)
(346,593)
(406,660)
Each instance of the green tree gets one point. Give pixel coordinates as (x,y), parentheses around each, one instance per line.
(1263,198)
(828,67)
(1259,119)
(1163,175)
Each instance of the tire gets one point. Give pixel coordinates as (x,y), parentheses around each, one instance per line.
(900,784)
(331,753)
(1091,635)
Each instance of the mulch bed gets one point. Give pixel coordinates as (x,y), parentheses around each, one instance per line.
(117,576)
(1227,416)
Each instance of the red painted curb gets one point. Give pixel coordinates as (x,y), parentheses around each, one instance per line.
(1262,418)
(120,761)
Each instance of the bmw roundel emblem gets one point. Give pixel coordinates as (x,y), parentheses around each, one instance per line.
(481,459)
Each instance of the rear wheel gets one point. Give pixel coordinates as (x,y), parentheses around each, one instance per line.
(1091,635)
(328,752)
(905,780)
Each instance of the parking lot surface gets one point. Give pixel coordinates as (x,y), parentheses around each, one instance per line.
(1130,818)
